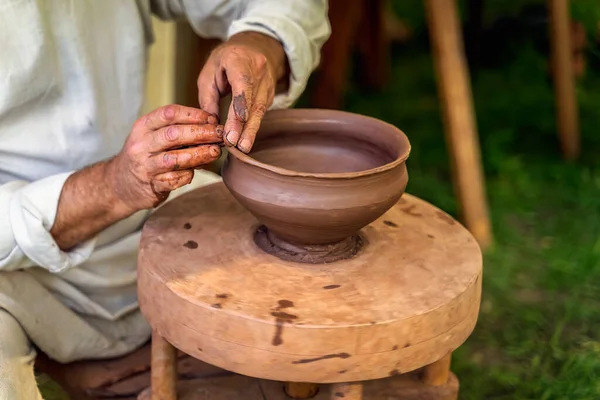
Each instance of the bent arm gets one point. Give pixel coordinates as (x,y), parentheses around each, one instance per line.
(27,214)
(87,205)
(53,222)
(301,26)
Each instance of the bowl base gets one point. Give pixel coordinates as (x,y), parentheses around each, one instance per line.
(307,253)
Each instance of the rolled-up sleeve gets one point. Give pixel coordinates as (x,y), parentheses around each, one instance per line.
(27,213)
(301,26)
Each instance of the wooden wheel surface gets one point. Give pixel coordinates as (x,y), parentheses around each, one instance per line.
(407,299)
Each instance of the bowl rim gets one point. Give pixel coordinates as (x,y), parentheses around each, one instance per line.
(320,115)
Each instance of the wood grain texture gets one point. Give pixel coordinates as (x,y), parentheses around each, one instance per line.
(564,79)
(163,369)
(454,89)
(437,373)
(409,298)
(346,391)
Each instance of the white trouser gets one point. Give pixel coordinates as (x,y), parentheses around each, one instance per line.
(17,356)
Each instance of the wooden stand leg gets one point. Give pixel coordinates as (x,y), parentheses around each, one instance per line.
(332,76)
(374,45)
(297,390)
(437,374)
(347,391)
(164,369)
(564,79)
(457,102)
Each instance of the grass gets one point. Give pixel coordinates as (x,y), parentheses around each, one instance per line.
(538,335)
(50,389)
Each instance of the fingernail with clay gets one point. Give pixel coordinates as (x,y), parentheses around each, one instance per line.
(233,137)
(215,151)
(244,145)
(220,131)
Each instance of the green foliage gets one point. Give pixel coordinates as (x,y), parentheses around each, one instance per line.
(538,336)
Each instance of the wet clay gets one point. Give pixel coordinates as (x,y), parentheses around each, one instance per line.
(240,107)
(316,152)
(316,177)
(308,254)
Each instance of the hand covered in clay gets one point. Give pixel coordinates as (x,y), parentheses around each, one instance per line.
(248,66)
(161,153)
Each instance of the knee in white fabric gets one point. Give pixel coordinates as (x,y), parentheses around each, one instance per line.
(17,356)
(13,340)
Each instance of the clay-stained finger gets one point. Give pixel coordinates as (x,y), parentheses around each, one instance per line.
(212,84)
(257,112)
(169,181)
(233,128)
(188,158)
(185,135)
(241,77)
(176,114)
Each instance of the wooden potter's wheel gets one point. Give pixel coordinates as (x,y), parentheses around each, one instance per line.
(410,297)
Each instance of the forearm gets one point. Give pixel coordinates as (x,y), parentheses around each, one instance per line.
(27,212)
(87,205)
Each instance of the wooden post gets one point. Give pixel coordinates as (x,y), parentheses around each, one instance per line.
(457,103)
(437,374)
(346,391)
(564,79)
(331,77)
(298,390)
(374,45)
(164,369)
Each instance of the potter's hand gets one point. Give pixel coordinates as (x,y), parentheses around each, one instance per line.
(248,66)
(155,160)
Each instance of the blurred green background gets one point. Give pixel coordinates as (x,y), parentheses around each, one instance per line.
(538,335)
(539,328)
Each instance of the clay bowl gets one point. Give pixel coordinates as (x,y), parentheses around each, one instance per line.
(317,177)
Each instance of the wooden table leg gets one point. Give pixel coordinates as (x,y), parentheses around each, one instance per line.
(298,390)
(164,369)
(564,79)
(457,101)
(438,374)
(347,391)
(374,45)
(332,75)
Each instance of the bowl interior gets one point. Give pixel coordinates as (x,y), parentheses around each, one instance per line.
(325,143)
(319,152)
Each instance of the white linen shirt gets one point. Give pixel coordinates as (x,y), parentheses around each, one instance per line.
(71,86)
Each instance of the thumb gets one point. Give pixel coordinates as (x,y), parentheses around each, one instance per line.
(210,90)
